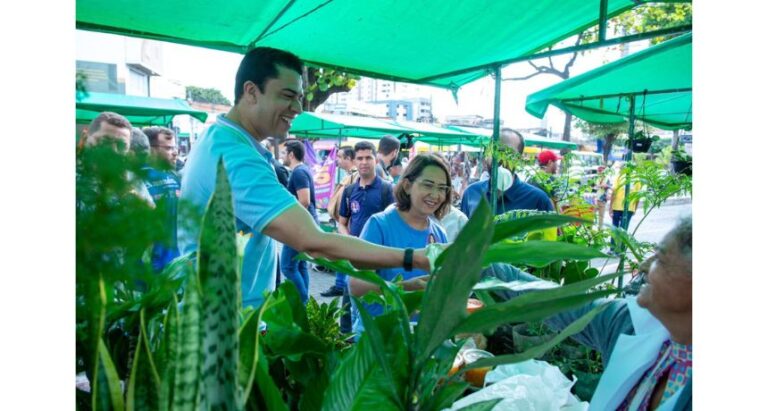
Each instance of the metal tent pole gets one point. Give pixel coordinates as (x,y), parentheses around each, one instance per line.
(495,139)
(624,220)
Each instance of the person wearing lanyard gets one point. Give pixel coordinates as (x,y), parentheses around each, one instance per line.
(422,196)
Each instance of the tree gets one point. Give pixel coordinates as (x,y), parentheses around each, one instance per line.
(206,95)
(608,132)
(322,83)
(641,19)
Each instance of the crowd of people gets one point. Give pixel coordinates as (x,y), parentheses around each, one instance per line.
(386,208)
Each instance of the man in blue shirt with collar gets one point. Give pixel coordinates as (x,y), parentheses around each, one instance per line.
(519,196)
(268,97)
(366,196)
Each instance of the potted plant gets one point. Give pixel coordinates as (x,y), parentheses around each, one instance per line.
(642,142)
(682,162)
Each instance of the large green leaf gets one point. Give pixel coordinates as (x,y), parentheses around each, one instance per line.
(106,391)
(434,373)
(345,267)
(168,354)
(445,302)
(512,311)
(220,287)
(531,223)
(538,253)
(144,385)
(250,348)
(355,381)
(288,328)
(445,396)
(376,340)
(539,350)
(270,394)
(492,283)
(186,382)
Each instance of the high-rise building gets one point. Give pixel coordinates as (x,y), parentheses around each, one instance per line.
(400,101)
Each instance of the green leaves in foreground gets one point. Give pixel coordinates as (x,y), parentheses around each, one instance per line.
(532,223)
(459,268)
(538,253)
(220,287)
(535,352)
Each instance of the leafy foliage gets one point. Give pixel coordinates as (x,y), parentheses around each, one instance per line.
(206,95)
(321,83)
(324,322)
(206,353)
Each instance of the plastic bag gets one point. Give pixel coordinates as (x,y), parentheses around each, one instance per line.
(527,386)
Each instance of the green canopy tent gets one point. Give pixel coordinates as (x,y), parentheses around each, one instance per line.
(321,125)
(530,139)
(444,43)
(653,85)
(140,111)
(658,79)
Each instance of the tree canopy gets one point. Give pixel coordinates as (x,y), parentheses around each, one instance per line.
(206,95)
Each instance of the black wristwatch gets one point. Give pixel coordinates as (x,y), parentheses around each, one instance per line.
(408,259)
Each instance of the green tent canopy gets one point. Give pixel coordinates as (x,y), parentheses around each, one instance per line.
(321,125)
(140,111)
(658,77)
(445,43)
(530,139)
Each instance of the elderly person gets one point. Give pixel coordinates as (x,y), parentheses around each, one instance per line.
(646,341)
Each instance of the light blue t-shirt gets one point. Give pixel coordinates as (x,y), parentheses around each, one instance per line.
(258,199)
(387,228)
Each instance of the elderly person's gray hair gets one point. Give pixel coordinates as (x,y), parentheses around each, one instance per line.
(683,236)
(139,142)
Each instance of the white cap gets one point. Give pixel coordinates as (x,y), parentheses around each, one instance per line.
(504,179)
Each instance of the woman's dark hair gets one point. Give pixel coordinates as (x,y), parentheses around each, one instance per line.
(260,65)
(414,169)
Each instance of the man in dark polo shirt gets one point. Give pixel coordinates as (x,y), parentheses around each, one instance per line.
(519,196)
(360,200)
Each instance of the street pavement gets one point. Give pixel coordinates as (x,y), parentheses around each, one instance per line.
(652,229)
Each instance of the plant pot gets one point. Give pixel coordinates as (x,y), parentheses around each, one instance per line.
(523,340)
(682,167)
(641,145)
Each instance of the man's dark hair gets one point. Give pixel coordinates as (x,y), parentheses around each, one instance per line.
(518,143)
(260,65)
(153,133)
(365,145)
(347,152)
(388,144)
(296,147)
(108,117)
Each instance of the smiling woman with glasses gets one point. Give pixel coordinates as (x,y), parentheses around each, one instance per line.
(422,193)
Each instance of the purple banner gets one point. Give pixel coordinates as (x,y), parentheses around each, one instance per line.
(323,173)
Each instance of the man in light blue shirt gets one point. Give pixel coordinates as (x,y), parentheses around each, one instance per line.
(268,97)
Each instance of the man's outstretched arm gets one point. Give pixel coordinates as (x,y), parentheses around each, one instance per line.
(296,228)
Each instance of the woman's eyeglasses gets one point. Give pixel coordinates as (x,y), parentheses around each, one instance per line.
(439,189)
